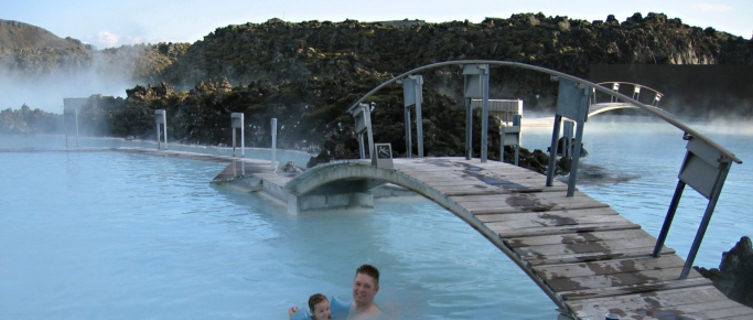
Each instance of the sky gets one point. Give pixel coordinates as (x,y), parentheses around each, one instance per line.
(114,23)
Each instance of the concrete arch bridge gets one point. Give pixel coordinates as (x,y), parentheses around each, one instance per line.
(602,103)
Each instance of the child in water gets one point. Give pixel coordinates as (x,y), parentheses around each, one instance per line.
(318,306)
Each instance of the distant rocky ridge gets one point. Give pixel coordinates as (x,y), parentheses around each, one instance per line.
(28,51)
(16,35)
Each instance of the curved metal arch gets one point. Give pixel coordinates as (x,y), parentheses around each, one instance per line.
(616,106)
(323,174)
(582,82)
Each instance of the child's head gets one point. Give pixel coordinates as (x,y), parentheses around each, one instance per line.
(319,306)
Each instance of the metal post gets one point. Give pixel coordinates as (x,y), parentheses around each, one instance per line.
(160,117)
(361,148)
(237,122)
(501,143)
(468,129)
(159,137)
(553,150)
(408,145)
(70,109)
(243,136)
(369,129)
(273,126)
(516,123)
(725,165)
(567,134)
(668,219)
(615,88)
(572,102)
(576,154)
(419,119)
(484,111)
(472,88)
(164,127)
(637,92)
(362,116)
(412,98)
(513,134)
(75,112)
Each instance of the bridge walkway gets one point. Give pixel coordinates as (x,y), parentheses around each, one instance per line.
(582,251)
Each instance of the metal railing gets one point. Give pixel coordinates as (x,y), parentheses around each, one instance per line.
(705,166)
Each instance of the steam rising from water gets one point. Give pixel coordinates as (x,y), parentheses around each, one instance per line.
(47,91)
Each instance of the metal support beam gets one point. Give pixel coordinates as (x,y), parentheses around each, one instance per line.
(485,113)
(705,169)
(553,150)
(510,136)
(572,103)
(705,221)
(408,133)
(362,115)
(70,113)
(273,128)
(412,97)
(668,219)
(476,85)
(160,118)
(468,129)
(237,122)
(567,135)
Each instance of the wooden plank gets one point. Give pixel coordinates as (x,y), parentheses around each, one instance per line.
(548,215)
(644,287)
(584,247)
(632,236)
(597,284)
(664,304)
(545,201)
(496,191)
(715,309)
(545,219)
(537,259)
(605,267)
(545,196)
(444,178)
(505,231)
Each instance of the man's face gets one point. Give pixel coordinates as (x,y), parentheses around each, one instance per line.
(364,288)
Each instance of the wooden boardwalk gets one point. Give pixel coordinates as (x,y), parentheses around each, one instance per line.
(582,252)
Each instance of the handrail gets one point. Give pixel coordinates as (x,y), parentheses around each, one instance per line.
(652,109)
(632,84)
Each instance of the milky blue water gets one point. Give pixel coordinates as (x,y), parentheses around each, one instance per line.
(123,236)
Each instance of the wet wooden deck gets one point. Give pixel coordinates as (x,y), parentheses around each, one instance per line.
(590,257)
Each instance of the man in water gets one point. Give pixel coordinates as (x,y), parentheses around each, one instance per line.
(365,288)
(363,307)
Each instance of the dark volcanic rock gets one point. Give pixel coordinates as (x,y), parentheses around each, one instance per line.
(307,75)
(735,274)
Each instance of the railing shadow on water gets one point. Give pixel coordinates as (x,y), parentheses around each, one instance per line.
(704,167)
